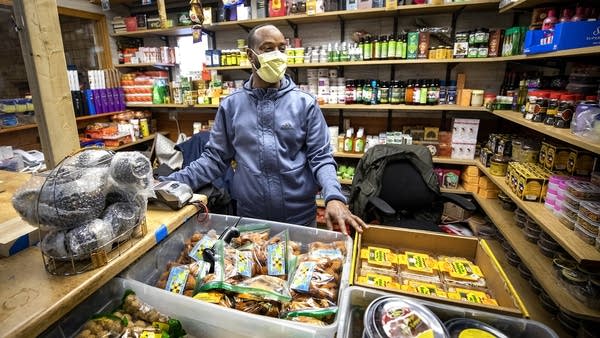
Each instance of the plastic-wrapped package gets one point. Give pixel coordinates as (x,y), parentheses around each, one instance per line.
(131,168)
(418,266)
(586,121)
(251,304)
(307,306)
(122,216)
(54,244)
(378,260)
(317,277)
(89,237)
(333,249)
(256,234)
(215,297)
(91,158)
(461,272)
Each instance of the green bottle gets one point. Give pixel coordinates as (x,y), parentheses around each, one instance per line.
(392,47)
(367,49)
(424,89)
(384,46)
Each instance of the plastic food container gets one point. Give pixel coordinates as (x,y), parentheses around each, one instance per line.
(512,258)
(566,220)
(583,190)
(570,211)
(598,243)
(562,188)
(586,236)
(507,203)
(394,316)
(531,236)
(463,327)
(591,210)
(520,222)
(521,214)
(356,299)
(576,282)
(595,179)
(151,265)
(547,303)
(571,200)
(586,223)
(532,226)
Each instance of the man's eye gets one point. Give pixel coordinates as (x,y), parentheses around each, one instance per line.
(282,49)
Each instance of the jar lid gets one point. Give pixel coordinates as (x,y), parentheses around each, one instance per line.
(561,263)
(477,92)
(574,276)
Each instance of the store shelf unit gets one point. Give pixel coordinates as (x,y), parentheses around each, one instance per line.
(576,52)
(138,141)
(33,125)
(173,31)
(540,265)
(438,160)
(564,135)
(150,105)
(582,252)
(439,107)
(526,4)
(144,65)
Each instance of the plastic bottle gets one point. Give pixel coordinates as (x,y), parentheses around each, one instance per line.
(391,47)
(349,141)
(442,92)
(350,92)
(424,91)
(451,93)
(376,48)
(361,48)
(384,46)
(383,96)
(358,98)
(359,141)
(408,94)
(395,92)
(550,20)
(367,92)
(433,93)
(401,52)
(344,55)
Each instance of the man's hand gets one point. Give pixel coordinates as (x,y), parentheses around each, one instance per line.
(337,211)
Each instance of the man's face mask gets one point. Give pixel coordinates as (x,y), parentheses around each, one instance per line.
(272,65)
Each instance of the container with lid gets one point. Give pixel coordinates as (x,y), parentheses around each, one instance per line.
(477,98)
(586,236)
(571,200)
(567,221)
(395,316)
(466,327)
(498,165)
(591,209)
(570,211)
(583,190)
(576,283)
(531,235)
(548,246)
(586,223)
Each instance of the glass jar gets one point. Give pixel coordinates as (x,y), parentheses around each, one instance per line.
(498,165)
(488,100)
(477,98)
(432,53)
(552,110)
(564,114)
(384,93)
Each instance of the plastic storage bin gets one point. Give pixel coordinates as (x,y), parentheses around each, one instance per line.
(108,298)
(356,299)
(148,268)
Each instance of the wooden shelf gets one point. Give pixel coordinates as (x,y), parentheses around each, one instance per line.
(17,128)
(525,4)
(460,191)
(173,31)
(582,252)
(525,292)
(564,135)
(97,116)
(439,107)
(149,105)
(576,52)
(138,141)
(143,65)
(440,160)
(540,265)
(357,14)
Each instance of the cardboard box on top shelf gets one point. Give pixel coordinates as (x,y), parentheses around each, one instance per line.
(472,170)
(435,244)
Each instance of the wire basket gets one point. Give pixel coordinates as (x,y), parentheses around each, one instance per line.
(91,208)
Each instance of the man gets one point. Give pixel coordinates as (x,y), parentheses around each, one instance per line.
(280,141)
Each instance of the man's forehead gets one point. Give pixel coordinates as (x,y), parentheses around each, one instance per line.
(269,34)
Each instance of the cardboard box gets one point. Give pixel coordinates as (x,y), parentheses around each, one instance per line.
(441,244)
(566,35)
(494,42)
(412,45)
(470,179)
(471,187)
(472,170)
(17,235)
(423,52)
(488,193)
(486,183)
(557,157)
(580,163)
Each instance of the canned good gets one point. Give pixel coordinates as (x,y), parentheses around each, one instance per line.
(144,129)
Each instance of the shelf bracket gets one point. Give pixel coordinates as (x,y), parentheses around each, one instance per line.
(294,27)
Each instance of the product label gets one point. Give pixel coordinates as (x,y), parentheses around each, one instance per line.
(404,322)
(205,243)
(243,263)
(147,334)
(276,259)
(327,253)
(474,333)
(378,280)
(303,276)
(380,256)
(419,262)
(203,269)
(463,269)
(177,279)
(210,297)
(472,296)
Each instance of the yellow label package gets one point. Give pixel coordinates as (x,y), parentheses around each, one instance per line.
(379,280)
(470,295)
(420,266)
(461,271)
(423,288)
(378,260)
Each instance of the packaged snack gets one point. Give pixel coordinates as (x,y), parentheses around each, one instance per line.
(418,266)
(591,210)
(272,256)
(378,260)
(196,245)
(471,295)
(306,306)
(583,190)
(423,288)
(587,224)
(459,271)
(318,277)
(182,279)
(586,236)
(332,250)
(215,297)
(265,288)
(566,220)
(256,234)
(391,282)
(251,304)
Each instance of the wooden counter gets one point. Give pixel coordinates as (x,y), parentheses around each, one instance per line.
(32,299)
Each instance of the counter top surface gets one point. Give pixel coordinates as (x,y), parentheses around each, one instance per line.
(31,299)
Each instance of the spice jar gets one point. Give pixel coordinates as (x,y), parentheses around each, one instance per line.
(552,108)
(498,165)
(565,111)
(477,98)
(541,107)
(488,100)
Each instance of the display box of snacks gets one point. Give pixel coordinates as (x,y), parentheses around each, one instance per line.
(456,270)
(271,280)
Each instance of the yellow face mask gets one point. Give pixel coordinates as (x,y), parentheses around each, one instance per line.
(272,66)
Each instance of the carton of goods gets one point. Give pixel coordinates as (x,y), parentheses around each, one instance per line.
(488,193)
(580,163)
(486,183)
(378,260)
(418,266)
(557,157)
(472,171)
(467,269)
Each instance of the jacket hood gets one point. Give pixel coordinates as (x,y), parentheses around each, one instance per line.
(286,85)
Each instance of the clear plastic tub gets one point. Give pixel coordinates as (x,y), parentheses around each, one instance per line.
(570,211)
(566,220)
(356,300)
(583,190)
(591,209)
(586,223)
(571,200)
(586,236)
(149,267)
